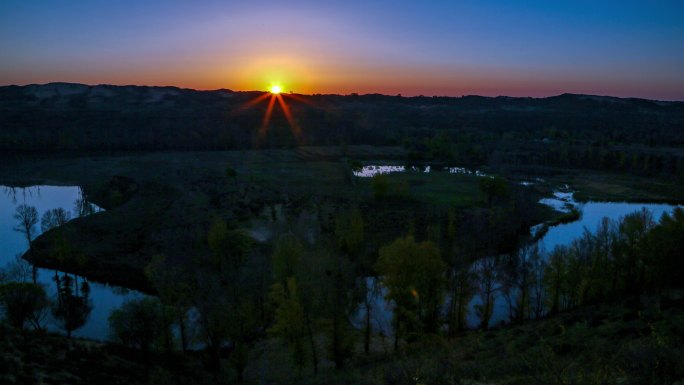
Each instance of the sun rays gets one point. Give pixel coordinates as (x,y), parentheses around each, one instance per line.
(275,95)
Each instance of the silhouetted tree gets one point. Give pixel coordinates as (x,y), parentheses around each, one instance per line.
(462,288)
(54,218)
(73,306)
(555,278)
(414,275)
(82,207)
(493,188)
(486,270)
(27,218)
(229,247)
(22,303)
(538,292)
(175,290)
(349,230)
(289,322)
(138,323)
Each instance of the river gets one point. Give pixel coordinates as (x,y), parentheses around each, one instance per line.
(104,297)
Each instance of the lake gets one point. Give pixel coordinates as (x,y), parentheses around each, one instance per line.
(104,297)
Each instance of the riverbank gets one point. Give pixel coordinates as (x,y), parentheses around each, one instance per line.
(163,203)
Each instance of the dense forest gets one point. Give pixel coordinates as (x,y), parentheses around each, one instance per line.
(264,257)
(635,135)
(314,301)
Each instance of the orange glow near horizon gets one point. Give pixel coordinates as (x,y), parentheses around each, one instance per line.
(414,48)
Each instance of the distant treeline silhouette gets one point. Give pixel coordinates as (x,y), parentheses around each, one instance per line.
(565,130)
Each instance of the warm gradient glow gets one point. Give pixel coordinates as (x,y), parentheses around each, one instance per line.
(275,89)
(439,47)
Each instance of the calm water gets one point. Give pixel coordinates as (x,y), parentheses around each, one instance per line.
(592,213)
(369,171)
(104,298)
(564,234)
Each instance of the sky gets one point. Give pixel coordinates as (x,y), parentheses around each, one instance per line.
(498,47)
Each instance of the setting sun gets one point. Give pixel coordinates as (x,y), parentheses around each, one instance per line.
(275,89)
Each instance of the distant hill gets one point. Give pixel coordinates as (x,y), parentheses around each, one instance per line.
(76,117)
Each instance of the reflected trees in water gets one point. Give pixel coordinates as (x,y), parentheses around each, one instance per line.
(27,218)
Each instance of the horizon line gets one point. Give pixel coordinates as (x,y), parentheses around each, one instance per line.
(347,94)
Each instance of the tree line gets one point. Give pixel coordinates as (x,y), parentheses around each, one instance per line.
(568,130)
(316,297)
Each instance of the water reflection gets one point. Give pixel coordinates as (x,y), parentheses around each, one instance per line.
(369,171)
(494,291)
(57,204)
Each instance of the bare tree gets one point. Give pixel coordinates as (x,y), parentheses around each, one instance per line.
(54,218)
(486,269)
(538,295)
(27,218)
(461,284)
(370,289)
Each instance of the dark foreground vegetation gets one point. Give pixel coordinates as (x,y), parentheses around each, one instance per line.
(301,310)
(634,342)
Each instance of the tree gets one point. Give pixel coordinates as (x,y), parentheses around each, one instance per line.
(349,230)
(18,270)
(285,259)
(229,247)
(327,288)
(82,207)
(289,323)
(73,306)
(538,294)
(309,288)
(136,323)
(555,278)
(27,216)
(666,244)
(461,283)
(369,289)
(413,274)
(493,188)
(54,218)
(356,165)
(212,307)
(22,303)
(633,228)
(174,290)
(486,270)
(516,283)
